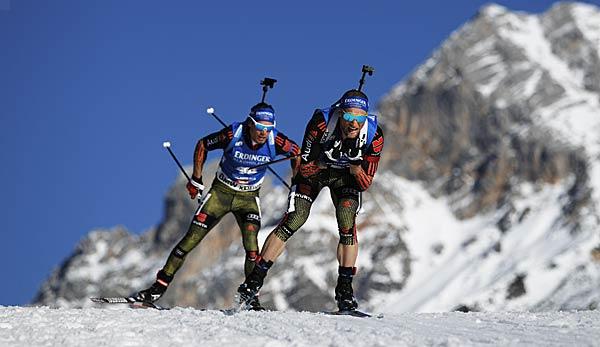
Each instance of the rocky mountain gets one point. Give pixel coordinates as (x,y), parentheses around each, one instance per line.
(487,196)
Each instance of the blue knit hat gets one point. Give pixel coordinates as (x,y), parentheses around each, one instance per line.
(263,112)
(354,99)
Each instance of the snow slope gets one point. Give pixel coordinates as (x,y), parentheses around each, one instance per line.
(42,326)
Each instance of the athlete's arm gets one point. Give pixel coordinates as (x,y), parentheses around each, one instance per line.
(216,140)
(311,144)
(365,171)
(286,146)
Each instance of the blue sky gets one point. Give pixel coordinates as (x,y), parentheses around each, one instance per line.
(89,90)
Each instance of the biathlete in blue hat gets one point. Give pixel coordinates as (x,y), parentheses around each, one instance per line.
(341,150)
(235,189)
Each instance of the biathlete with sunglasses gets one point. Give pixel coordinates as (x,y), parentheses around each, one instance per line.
(235,189)
(340,150)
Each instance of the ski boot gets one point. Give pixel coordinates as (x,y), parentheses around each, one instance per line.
(156,290)
(254,305)
(344,295)
(248,291)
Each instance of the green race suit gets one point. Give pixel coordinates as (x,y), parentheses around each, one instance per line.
(221,199)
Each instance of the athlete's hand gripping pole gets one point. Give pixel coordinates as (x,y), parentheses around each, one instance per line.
(167,145)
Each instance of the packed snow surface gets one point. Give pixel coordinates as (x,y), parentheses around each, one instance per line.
(121,326)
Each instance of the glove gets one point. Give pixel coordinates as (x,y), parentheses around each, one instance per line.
(195,187)
(309,169)
(356,169)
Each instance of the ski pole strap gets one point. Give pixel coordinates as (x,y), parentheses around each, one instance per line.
(197,182)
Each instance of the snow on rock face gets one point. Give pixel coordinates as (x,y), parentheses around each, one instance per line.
(502,123)
(188,327)
(486,199)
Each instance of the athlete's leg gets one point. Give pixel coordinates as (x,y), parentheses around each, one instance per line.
(214,206)
(300,202)
(346,202)
(246,209)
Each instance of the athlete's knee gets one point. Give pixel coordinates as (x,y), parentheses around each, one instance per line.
(348,236)
(179,252)
(346,218)
(291,222)
(250,227)
(346,210)
(299,204)
(296,218)
(251,223)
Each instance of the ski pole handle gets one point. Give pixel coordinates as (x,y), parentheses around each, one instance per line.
(211,111)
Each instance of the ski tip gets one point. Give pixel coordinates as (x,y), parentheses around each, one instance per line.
(114,300)
(133,302)
(353,313)
(166,144)
(100,300)
(210,110)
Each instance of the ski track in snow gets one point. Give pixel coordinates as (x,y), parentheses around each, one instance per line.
(43,326)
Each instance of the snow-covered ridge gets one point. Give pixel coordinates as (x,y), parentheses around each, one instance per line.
(530,84)
(586,18)
(520,55)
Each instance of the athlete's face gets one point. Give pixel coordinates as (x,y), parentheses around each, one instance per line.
(351,128)
(260,135)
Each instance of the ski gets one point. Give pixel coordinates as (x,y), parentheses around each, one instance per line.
(133,303)
(353,313)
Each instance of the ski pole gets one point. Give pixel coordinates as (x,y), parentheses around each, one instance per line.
(211,111)
(167,145)
(275,161)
